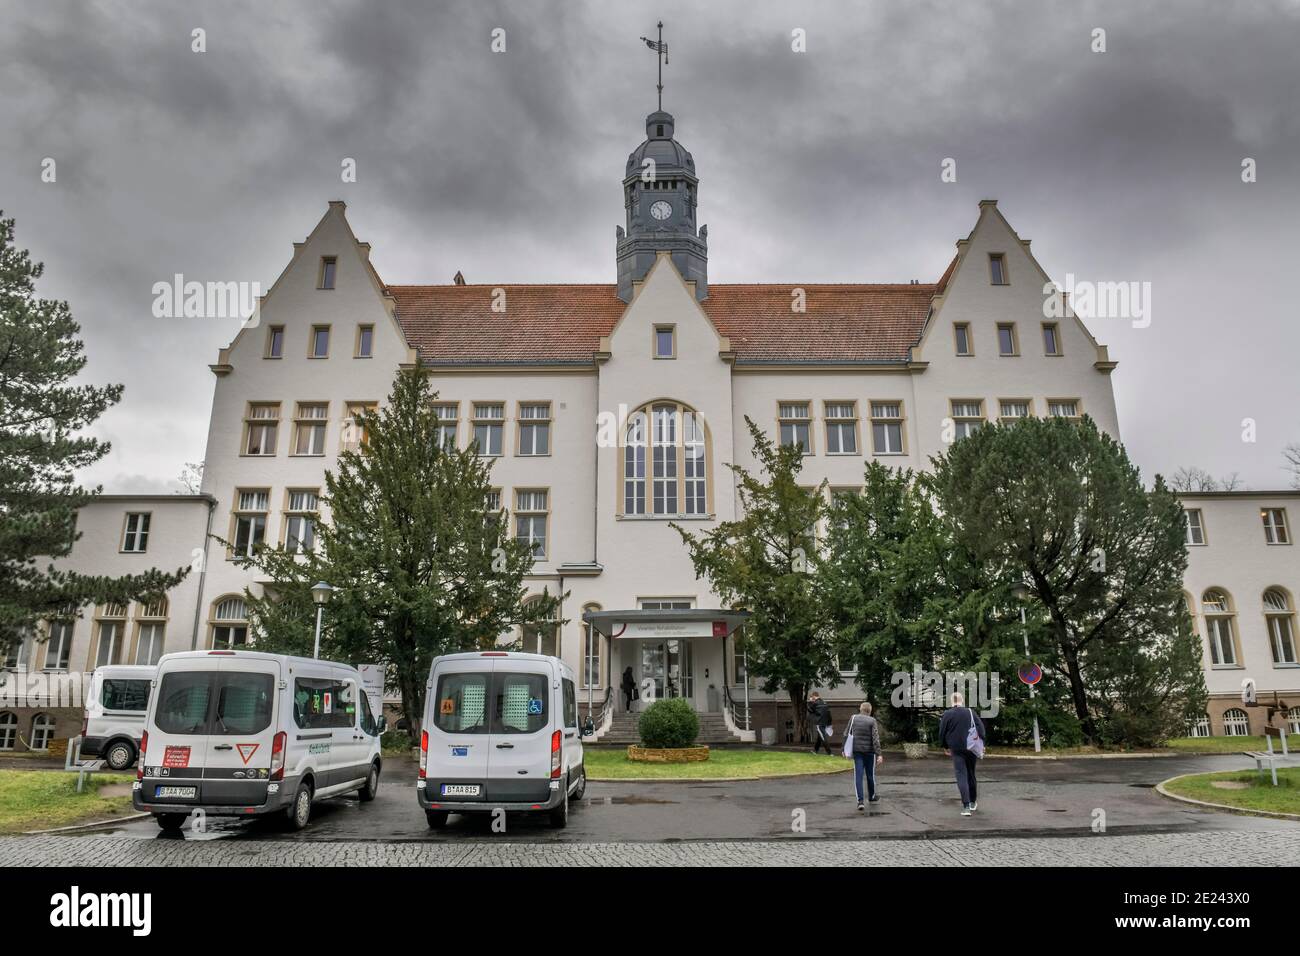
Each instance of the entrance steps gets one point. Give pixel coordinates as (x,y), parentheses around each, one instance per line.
(623,731)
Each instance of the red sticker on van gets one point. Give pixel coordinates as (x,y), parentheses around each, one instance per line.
(176,757)
(247,750)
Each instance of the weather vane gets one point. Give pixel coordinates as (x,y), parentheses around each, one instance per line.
(660,48)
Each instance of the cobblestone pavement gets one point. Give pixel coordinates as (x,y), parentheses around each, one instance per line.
(1217,848)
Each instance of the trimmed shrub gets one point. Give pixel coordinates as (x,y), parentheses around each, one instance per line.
(670,722)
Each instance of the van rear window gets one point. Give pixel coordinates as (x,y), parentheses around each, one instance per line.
(183,699)
(118,694)
(519,703)
(243,704)
(501,703)
(460,706)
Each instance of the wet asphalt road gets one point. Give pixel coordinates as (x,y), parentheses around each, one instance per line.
(1018,798)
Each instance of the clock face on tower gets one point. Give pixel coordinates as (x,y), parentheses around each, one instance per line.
(661,210)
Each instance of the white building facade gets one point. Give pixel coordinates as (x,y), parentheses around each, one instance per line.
(610,411)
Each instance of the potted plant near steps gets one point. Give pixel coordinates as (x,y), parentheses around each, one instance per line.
(668,729)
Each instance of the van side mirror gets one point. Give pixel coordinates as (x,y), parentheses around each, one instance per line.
(381,726)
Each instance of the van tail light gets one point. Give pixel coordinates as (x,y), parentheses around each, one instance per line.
(555,754)
(139,760)
(424,753)
(85,725)
(277,755)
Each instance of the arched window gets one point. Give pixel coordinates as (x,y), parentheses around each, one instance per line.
(1279,617)
(666,462)
(1236,723)
(42,731)
(1217,607)
(592,651)
(8,730)
(1200,727)
(150,627)
(109,635)
(229,625)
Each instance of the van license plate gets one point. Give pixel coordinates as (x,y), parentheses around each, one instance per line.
(187,793)
(460,790)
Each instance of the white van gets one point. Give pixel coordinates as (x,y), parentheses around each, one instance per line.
(116,700)
(242,733)
(500,732)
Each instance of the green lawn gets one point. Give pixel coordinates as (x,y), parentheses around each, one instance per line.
(44,799)
(1222,745)
(1260,795)
(612,764)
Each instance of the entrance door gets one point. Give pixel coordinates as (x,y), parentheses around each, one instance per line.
(668,665)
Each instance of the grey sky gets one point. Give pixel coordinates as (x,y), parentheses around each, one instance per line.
(821,166)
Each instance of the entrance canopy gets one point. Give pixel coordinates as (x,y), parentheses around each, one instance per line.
(675,622)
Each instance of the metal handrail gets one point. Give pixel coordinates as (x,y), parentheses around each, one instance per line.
(605,706)
(735,708)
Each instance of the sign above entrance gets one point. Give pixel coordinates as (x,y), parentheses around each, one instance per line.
(667,623)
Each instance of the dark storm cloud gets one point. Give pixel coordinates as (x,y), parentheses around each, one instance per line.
(815,166)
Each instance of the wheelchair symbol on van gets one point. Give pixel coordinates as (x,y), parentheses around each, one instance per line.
(534,706)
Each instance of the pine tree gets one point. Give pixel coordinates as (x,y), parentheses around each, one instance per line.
(42,416)
(765,562)
(420,566)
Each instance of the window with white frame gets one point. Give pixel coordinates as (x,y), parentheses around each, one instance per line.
(21,654)
(1279,618)
(328,267)
(1051,339)
(1293,720)
(489,426)
(1217,609)
(309,424)
(135,532)
(1275,529)
(1063,408)
(664,423)
(302,505)
(967,415)
(540,638)
(249,520)
(1236,723)
(1200,727)
(841,428)
(8,730)
(531,513)
(1195,528)
(887,428)
(695,481)
(151,628)
(229,624)
(665,342)
(261,428)
(354,433)
(274,342)
(961,338)
(320,342)
(665,462)
(448,415)
(794,421)
(110,634)
(42,731)
(534,428)
(365,341)
(997,268)
(636,443)
(58,646)
(1011,410)
(592,646)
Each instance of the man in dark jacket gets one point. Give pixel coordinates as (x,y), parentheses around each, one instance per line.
(820,713)
(954,726)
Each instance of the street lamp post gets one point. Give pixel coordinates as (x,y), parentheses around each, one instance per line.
(320,593)
(1022,594)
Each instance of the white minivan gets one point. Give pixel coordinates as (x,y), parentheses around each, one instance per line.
(500,732)
(242,733)
(116,700)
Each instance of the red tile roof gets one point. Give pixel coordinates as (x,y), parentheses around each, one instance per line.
(562,324)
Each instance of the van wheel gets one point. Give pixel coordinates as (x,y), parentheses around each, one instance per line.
(120,755)
(581,792)
(560,815)
(371,789)
(299,812)
(437,819)
(170,822)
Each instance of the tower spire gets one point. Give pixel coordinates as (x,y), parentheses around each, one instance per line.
(660,48)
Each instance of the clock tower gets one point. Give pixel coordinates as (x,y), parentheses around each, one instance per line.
(659,196)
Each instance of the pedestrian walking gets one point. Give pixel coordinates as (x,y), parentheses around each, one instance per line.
(864,732)
(964,747)
(629,688)
(820,713)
